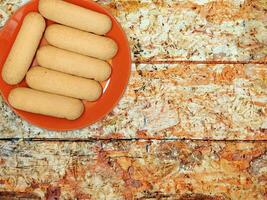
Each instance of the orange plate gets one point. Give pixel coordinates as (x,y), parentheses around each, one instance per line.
(113,88)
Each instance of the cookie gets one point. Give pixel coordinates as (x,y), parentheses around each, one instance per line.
(38,102)
(24,48)
(72,63)
(81,42)
(46,80)
(75,16)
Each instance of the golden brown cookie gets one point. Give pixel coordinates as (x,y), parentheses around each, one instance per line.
(47,80)
(75,16)
(81,42)
(23,49)
(72,63)
(38,102)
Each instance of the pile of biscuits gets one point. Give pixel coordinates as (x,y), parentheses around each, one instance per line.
(69,68)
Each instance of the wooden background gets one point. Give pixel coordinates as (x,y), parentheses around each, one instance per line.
(192,124)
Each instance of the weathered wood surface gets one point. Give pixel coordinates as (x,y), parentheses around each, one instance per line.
(182,170)
(197,101)
(202,99)
(185,100)
(194,30)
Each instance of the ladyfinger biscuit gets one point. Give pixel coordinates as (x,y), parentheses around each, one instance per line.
(34,101)
(73,63)
(46,80)
(75,16)
(23,49)
(81,42)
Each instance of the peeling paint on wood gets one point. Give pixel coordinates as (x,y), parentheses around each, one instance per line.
(194,30)
(166,100)
(134,170)
(186,100)
(194,101)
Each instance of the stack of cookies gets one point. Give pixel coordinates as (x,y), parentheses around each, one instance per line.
(70,68)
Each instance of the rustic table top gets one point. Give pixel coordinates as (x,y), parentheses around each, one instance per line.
(192,124)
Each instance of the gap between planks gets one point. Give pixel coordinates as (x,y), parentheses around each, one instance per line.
(92,140)
(196,62)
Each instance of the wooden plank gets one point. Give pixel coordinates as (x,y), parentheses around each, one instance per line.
(182,170)
(193,101)
(214,31)
(210,30)
(226,101)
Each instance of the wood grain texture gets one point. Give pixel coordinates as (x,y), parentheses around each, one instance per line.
(185,100)
(193,101)
(194,30)
(166,100)
(134,170)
